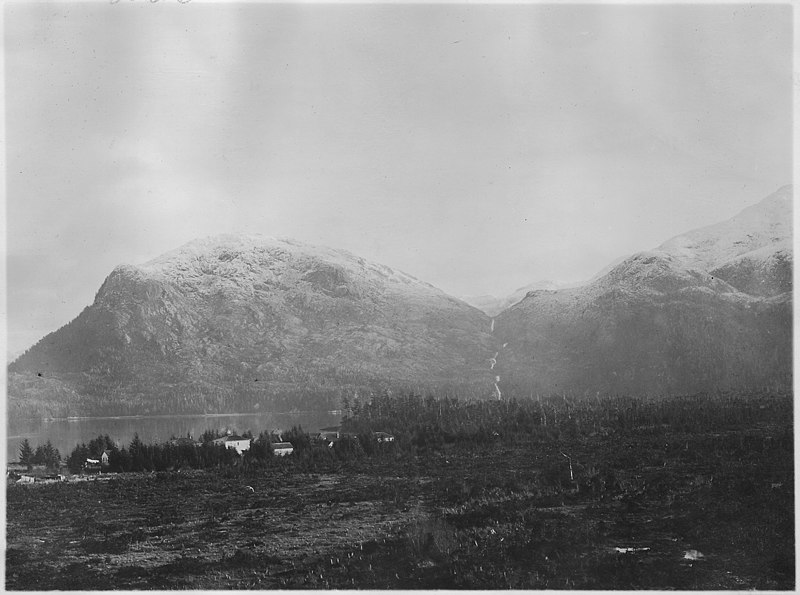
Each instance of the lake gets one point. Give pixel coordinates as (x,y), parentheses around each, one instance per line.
(64,434)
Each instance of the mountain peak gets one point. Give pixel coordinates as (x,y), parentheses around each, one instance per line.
(248,260)
(226,247)
(658,271)
(246,322)
(707,310)
(768,222)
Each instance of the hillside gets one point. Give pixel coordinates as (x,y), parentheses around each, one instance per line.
(238,323)
(710,309)
(767,224)
(492,305)
(752,251)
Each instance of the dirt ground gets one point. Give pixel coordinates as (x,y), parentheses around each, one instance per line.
(642,510)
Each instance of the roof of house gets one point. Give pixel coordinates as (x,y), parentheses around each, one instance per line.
(282,445)
(231,439)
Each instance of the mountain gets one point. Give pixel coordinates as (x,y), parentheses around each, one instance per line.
(242,323)
(492,305)
(248,323)
(488,304)
(752,251)
(766,224)
(710,309)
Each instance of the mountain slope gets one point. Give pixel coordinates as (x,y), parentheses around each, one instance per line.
(492,305)
(766,224)
(238,323)
(242,323)
(752,251)
(711,309)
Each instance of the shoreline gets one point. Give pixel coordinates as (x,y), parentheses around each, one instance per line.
(74,418)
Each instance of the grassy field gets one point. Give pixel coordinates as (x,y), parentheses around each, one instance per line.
(643,508)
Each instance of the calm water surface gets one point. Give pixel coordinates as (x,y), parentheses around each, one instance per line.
(65,434)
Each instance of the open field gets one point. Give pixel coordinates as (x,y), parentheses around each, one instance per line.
(646,508)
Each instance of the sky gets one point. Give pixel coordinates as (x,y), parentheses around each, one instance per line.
(477,147)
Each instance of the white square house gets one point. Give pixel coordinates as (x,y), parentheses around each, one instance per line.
(235,442)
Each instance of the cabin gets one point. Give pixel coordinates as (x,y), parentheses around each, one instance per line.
(105,458)
(282,449)
(92,466)
(51,478)
(236,443)
(384,437)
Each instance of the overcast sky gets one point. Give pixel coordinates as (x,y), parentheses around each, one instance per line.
(479,148)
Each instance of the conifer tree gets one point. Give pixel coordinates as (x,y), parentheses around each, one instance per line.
(26,453)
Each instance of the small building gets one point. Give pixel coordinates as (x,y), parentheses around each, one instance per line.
(236,443)
(105,458)
(384,437)
(282,449)
(26,479)
(92,466)
(52,478)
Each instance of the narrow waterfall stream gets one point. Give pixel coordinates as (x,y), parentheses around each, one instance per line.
(492,363)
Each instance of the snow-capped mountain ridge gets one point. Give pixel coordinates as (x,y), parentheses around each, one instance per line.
(221,253)
(706,310)
(233,323)
(758,238)
(238,323)
(765,224)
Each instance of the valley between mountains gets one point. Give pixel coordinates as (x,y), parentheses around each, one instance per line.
(249,323)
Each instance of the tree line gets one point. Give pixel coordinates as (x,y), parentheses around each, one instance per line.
(45,455)
(419,424)
(423,422)
(187,453)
